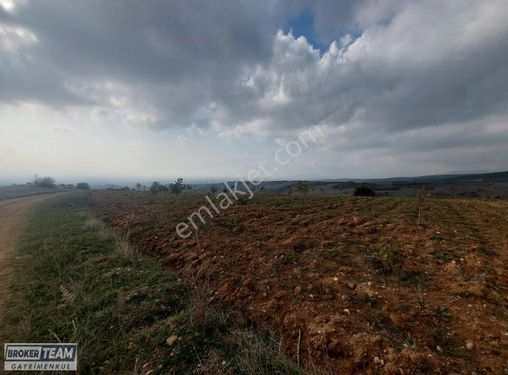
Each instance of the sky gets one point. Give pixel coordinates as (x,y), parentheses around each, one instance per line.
(124,89)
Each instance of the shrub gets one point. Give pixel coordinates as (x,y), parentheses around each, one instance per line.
(82,186)
(157,186)
(364,191)
(46,182)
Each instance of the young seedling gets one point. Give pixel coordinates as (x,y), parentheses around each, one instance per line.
(419,195)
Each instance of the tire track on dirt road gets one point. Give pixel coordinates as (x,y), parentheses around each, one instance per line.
(13,215)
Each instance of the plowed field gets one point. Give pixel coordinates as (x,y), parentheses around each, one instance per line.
(349,284)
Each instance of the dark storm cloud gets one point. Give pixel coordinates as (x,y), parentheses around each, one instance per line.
(172,53)
(395,67)
(156,45)
(155,41)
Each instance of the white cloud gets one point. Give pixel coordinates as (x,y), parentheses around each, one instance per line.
(8,5)
(113,101)
(13,39)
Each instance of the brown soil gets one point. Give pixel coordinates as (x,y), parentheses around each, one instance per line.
(352,282)
(12,218)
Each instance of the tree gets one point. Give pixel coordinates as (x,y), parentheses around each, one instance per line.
(419,196)
(177,186)
(44,182)
(138,187)
(82,186)
(156,187)
(302,187)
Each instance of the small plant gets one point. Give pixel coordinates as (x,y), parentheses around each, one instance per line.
(442,313)
(371,230)
(445,343)
(445,255)
(367,299)
(391,260)
(420,200)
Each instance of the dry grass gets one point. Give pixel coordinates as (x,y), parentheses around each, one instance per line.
(94,225)
(86,284)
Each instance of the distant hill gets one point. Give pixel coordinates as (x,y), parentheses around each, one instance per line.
(462,185)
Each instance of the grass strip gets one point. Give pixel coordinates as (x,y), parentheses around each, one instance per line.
(77,281)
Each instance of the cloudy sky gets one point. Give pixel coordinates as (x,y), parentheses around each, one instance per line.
(127,88)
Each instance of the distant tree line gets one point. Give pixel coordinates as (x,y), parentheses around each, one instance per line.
(175,187)
(49,182)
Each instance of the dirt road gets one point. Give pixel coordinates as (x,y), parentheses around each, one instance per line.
(13,215)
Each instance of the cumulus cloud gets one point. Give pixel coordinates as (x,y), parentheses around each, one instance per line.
(431,65)
(422,76)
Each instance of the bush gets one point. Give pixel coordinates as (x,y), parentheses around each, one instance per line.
(82,186)
(157,186)
(364,191)
(45,182)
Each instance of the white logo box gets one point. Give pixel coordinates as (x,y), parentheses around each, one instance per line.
(40,356)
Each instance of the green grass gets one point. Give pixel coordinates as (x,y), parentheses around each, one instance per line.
(76,281)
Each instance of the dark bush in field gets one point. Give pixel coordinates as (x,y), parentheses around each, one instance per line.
(364,191)
(82,186)
(157,186)
(46,182)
